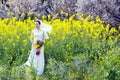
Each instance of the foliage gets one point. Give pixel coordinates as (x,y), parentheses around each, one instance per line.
(77,49)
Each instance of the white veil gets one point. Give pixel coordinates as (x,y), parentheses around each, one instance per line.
(47,28)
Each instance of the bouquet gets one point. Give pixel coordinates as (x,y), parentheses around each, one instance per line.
(38,45)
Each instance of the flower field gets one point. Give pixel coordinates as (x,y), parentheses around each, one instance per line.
(81,49)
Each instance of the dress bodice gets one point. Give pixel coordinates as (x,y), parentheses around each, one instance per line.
(38,35)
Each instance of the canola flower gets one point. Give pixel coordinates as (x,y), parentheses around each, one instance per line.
(15,34)
(69,38)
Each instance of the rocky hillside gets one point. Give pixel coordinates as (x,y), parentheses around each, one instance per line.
(42,7)
(107,10)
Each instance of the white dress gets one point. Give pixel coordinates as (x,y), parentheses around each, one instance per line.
(37,61)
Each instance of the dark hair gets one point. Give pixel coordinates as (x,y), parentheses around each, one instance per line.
(38,22)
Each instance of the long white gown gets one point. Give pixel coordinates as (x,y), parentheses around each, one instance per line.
(37,61)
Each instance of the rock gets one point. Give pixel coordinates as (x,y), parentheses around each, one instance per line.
(107,10)
(3,14)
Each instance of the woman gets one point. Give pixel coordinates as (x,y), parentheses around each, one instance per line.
(37,59)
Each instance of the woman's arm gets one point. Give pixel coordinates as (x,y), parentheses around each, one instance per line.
(43,38)
(31,37)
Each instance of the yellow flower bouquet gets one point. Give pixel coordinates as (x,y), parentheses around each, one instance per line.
(38,45)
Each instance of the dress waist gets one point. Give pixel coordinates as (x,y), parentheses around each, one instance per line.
(37,40)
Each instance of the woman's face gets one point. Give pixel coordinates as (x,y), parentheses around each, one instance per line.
(37,25)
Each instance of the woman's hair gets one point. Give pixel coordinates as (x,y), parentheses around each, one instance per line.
(38,21)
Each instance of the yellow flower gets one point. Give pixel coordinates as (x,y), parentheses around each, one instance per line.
(49,16)
(18,37)
(37,46)
(113,30)
(66,14)
(43,17)
(23,14)
(32,36)
(10,13)
(61,11)
(25,41)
